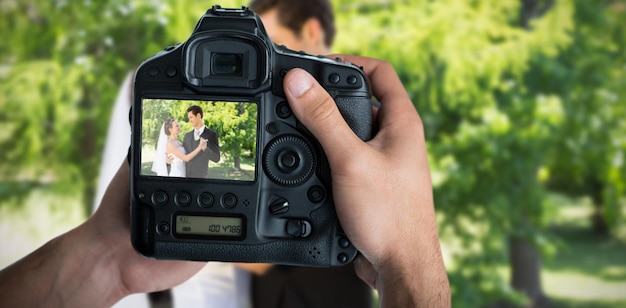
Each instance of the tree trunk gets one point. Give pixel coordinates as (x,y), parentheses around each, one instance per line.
(598,223)
(526,272)
(237,162)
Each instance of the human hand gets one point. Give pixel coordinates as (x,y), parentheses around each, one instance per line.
(93,265)
(135,273)
(169,158)
(203,143)
(383,194)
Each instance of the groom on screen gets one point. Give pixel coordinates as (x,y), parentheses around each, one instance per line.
(198,167)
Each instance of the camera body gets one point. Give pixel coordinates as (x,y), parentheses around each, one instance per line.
(269,197)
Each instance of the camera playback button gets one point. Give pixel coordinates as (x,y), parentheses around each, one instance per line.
(182,199)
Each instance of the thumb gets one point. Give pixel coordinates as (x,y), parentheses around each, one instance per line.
(317,110)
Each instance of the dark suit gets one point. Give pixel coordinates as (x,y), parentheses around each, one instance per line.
(198,167)
(292,286)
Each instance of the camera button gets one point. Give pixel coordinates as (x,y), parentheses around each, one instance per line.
(316,194)
(298,228)
(182,199)
(163,228)
(159,198)
(334,78)
(282,110)
(171,71)
(229,201)
(288,161)
(344,242)
(342,258)
(206,200)
(352,80)
(153,71)
(272,128)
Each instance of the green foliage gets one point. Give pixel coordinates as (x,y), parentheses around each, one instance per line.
(497,130)
(590,77)
(61,64)
(236,124)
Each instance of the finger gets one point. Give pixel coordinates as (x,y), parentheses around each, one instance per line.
(316,109)
(365,270)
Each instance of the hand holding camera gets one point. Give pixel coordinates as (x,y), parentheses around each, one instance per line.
(280,208)
(383,197)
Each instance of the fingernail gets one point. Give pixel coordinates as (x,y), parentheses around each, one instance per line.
(299,82)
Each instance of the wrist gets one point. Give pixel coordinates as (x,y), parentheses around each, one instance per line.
(89,274)
(414,277)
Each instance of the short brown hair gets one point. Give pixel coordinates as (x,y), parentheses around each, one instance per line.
(294,13)
(195,110)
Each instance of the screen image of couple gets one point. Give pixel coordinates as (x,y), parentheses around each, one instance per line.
(199,139)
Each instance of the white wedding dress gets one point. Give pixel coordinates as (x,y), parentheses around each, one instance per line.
(178,165)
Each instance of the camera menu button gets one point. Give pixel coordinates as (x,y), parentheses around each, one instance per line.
(159,198)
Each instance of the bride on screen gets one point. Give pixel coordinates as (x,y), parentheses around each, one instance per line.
(169,149)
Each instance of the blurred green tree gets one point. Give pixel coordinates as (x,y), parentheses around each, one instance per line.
(464,65)
(61,63)
(590,77)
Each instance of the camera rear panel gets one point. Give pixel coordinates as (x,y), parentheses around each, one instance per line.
(279,209)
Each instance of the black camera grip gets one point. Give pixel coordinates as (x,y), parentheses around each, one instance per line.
(357,111)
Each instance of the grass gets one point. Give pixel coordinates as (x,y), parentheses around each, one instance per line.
(590,269)
(224,170)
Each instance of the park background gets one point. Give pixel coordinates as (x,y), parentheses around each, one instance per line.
(523,103)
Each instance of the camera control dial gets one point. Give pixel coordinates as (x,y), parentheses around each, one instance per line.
(288,160)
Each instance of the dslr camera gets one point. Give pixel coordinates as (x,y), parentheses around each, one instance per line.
(267,195)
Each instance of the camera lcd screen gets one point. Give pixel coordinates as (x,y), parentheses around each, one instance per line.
(209,225)
(215,140)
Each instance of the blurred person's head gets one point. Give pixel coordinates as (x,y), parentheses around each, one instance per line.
(307,25)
